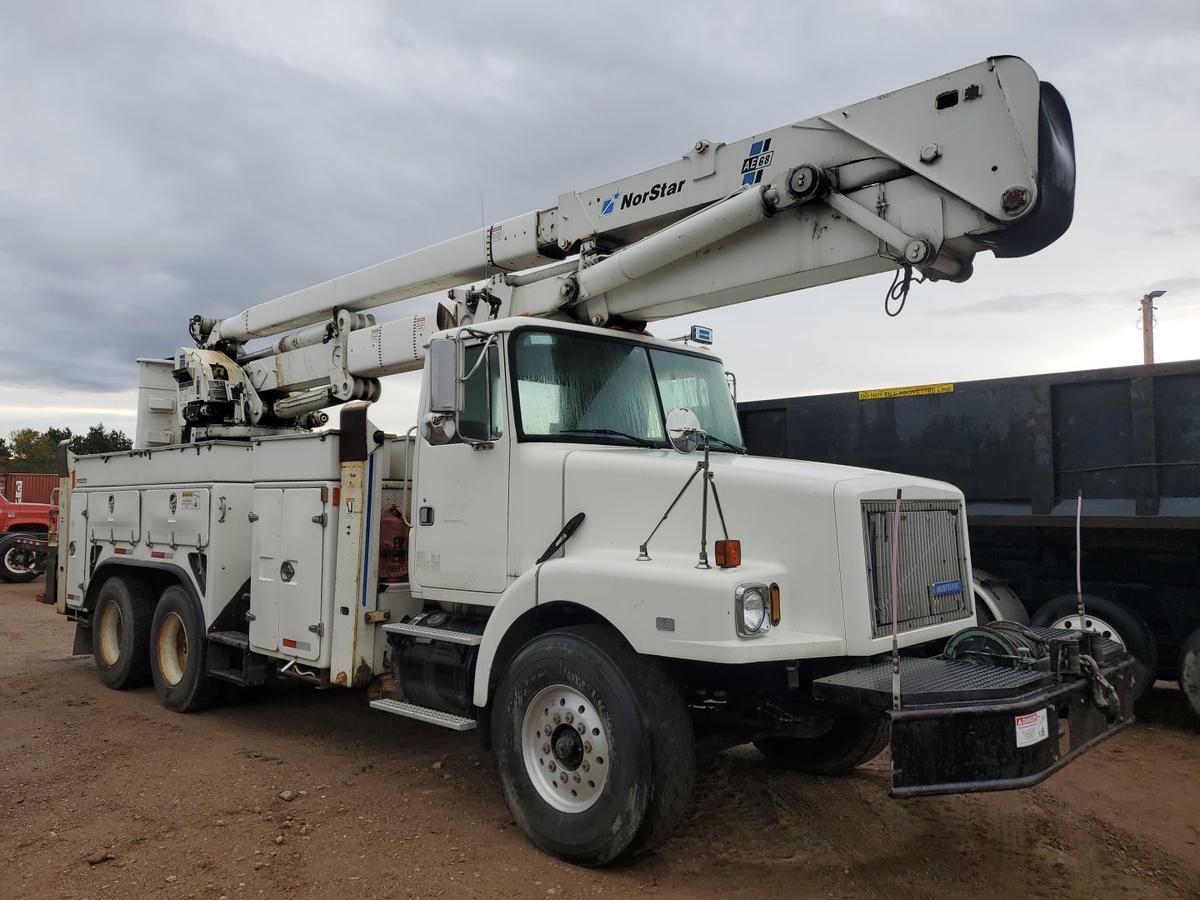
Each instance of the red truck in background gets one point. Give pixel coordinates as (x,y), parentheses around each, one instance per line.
(24,528)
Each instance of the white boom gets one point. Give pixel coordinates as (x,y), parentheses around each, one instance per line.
(924,177)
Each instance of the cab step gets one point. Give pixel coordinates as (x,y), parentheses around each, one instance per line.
(239,639)
(230,658)
(434,634)
(424,713)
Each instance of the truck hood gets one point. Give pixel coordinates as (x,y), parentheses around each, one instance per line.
(800,525)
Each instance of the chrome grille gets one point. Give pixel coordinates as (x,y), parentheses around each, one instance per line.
(932,560)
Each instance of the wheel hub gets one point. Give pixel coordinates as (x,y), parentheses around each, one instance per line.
(111,625)
(568,747)
(1090,623)
(565,747)
(172,649)
(14,561)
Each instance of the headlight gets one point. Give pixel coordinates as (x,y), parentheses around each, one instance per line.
(752,610)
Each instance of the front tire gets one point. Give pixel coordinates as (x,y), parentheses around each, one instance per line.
(594,745)
(178,651)
(121,633)
(846,742)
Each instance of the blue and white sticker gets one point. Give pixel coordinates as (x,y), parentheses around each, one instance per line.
(946,588)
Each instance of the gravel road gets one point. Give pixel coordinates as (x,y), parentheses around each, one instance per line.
(108,794)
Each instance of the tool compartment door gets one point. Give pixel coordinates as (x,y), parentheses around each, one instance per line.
(114,517)
(288,587)
(176,517)
(76,545)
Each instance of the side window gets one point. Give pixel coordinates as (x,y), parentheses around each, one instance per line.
(477,421)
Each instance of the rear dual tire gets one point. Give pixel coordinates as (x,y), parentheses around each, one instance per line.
(121,633)
(178,651)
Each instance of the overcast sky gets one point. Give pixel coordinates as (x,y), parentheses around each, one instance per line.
(163,159)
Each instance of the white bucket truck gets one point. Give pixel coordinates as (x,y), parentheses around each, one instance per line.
(512,565)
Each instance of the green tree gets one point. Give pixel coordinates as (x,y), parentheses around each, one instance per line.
(30,450)
(99,440)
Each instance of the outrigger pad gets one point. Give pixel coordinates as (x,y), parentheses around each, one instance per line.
(964,726)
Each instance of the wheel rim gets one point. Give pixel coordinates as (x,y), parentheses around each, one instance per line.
(1091,623)
(565,747)
(172,649)
(10,563)
(111,626)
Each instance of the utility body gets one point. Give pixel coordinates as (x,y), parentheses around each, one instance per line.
(571,552)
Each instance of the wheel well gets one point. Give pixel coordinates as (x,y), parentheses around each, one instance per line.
(30,528)
(539,620)
(529,625)
(156,580)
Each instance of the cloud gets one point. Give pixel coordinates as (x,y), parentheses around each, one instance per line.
(161,160)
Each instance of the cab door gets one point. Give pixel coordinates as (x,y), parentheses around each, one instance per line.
(460,504)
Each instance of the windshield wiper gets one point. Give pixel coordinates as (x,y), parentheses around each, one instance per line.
(734,447)
(610,432)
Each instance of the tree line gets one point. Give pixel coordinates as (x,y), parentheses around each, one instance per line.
(30,450)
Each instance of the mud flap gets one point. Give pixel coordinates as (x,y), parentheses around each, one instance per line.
(83,640)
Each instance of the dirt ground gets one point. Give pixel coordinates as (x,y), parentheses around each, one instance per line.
(108,794)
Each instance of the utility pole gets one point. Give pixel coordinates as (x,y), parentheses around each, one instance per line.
(1148,326)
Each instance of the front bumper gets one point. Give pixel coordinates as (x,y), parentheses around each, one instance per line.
(963,726)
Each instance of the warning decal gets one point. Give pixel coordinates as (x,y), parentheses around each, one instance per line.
(1031,728)
(917,390)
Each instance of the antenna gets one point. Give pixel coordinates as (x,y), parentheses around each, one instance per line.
(896,603)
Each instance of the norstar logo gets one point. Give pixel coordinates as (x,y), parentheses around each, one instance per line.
(663,189)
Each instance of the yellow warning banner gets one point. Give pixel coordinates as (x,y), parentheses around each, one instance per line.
(917,390)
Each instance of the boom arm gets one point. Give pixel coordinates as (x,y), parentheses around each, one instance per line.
(927,176)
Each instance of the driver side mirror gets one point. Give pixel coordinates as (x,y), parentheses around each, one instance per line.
(443,375)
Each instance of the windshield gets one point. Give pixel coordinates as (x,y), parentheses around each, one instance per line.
(583,387)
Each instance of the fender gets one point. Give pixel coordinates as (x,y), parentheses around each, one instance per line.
(518,598)
(111,562)
(83,642)
(668,608)
(1001,600)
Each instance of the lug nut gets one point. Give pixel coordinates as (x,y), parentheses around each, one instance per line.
(570,718)
(577,778)
(551,766)
(586,766)
(564,777)
(587,746)
(556,718)
(582,728)
(545,748)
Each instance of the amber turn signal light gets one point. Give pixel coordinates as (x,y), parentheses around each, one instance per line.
(774,603)
(729,554)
